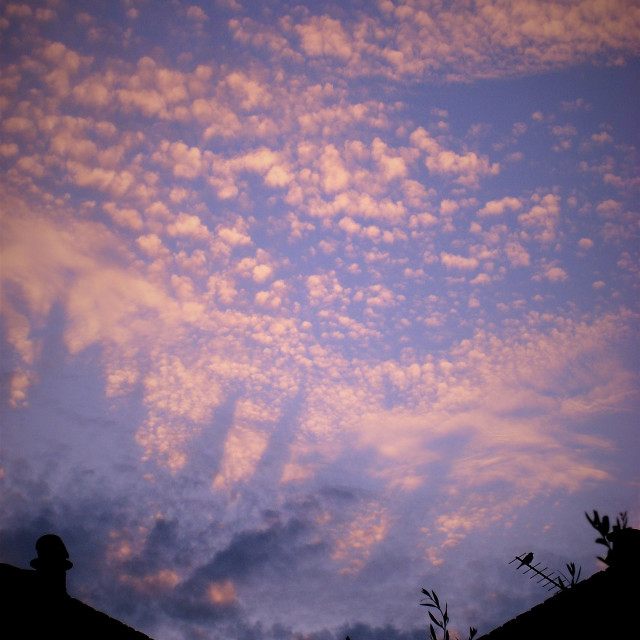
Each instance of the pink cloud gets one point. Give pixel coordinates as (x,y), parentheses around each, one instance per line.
(324,36)
(186,225)
(542,219)
(452,261)
(556,274)
(498,207)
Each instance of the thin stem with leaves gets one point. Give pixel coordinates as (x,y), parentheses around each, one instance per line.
(441,619)
(604,528)
(574,574)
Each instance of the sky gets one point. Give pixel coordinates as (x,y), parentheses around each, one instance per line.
(307,306)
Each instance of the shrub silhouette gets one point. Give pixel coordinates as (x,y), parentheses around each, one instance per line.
(603,527)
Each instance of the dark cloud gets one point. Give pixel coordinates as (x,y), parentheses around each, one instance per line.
(161,548)
(243,630)
(361,631)
(270,553)
(276,546)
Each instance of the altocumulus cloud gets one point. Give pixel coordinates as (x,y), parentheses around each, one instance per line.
(306,307)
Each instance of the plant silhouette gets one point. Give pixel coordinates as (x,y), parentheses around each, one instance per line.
(441,620)
(439,615)
(604,528)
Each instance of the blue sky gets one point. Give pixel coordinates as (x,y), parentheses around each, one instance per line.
(306,307)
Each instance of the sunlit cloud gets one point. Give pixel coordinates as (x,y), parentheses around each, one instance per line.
(306,299)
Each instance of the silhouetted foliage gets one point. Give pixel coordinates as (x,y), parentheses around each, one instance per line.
(441,620)
(573,573)
(604,528)
(439,617)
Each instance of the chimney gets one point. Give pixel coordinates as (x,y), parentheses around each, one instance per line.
(625,554)
(51,566)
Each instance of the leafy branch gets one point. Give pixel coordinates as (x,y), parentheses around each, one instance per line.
(441,619)
(573,573)
(604,528)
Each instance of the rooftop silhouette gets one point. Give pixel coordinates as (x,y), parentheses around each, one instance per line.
(35,603)
(604,605)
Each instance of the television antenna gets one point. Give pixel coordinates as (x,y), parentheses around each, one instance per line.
(543,576)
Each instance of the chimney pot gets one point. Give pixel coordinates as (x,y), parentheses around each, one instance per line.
(52,565)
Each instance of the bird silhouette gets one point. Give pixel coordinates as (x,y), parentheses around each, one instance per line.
(527,559)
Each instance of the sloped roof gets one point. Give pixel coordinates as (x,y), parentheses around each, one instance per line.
(604,605)
(28,610)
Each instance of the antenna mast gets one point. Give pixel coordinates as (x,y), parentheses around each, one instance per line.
(544,577)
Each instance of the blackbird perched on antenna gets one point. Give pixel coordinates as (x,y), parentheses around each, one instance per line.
(527,559)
